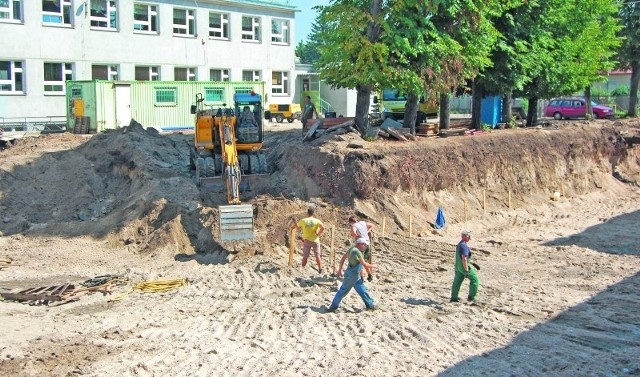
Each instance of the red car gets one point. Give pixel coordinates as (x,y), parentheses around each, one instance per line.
(575,108)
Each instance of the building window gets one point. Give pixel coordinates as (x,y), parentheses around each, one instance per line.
(11,77)
(55,74)
(104,72)
(243,90)
(250,28)
(184,74)
(219,75)
(104,14)
(166,96)
(280,31)
(145,17)
(10,10)
(279,83)
(145,73)
(184,22)
(250,75)
(213,96)
(218,25)
(56,12)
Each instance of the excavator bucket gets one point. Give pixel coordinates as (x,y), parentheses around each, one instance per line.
(236,222)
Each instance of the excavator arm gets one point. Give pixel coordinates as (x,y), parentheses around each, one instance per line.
(236,220)
(232,171)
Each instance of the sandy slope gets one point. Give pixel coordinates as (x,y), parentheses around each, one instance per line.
(558,298)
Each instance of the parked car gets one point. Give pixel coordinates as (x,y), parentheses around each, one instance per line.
(575,108)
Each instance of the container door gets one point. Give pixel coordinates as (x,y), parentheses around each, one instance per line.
(123,105)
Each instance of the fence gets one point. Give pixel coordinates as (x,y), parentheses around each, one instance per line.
(50,124)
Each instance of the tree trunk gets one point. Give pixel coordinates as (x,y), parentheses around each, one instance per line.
(506,108)
(362,108)
(411,112)
(364,90)
(532,113)
(587,102)
(476,104)
(633,95)
(445,107)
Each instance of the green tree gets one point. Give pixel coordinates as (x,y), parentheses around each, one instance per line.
(584,33)
(351,52)
(417,46)
(629,52)
(520,53)
(436,45)
(308,51)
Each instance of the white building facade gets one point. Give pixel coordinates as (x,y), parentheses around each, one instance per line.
(46,42)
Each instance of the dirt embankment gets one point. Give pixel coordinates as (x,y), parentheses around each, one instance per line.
(134,186)
(418,177)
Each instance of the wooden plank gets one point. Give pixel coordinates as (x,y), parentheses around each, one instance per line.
(395,134)
(59,290)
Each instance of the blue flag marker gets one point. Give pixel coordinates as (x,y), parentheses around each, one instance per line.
(440,219)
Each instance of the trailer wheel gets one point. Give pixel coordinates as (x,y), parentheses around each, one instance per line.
(290,120)
(279,118)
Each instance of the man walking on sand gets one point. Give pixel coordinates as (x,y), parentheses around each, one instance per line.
(464,269)
(362,229)
(352,278)
(312,228)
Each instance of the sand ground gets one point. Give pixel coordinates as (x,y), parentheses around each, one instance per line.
(558,297)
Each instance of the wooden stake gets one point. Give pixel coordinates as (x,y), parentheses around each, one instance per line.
(465,210)
(484,200)
(410,225)
(509,198)
(585,184)
(333,252)
(384,224)
(562,189)
(292,246)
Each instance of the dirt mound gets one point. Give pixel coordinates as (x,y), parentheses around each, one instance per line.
(134,186)
(107,185)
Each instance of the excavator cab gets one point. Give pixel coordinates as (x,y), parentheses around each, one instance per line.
(227,155)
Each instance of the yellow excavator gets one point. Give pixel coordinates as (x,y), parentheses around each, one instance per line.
(227,149)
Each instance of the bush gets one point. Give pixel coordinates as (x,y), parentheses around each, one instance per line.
(621,91)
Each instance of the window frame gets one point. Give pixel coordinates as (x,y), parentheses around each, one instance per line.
(253,34)
(213,102)
(67,74)
(190,72)
(190,23)
(223,30)
(14,12)
(97,21)
(284,85)
(255,74)
(65,6)
(173,90)
(153,72)
(152,21)
(113,72)
(225,74)
(284,35)
(11,79)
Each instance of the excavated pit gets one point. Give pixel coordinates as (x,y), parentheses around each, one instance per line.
(134,186)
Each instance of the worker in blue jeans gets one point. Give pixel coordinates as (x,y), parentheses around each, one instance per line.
(352,278)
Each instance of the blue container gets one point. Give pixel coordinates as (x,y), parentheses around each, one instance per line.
(491,111)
